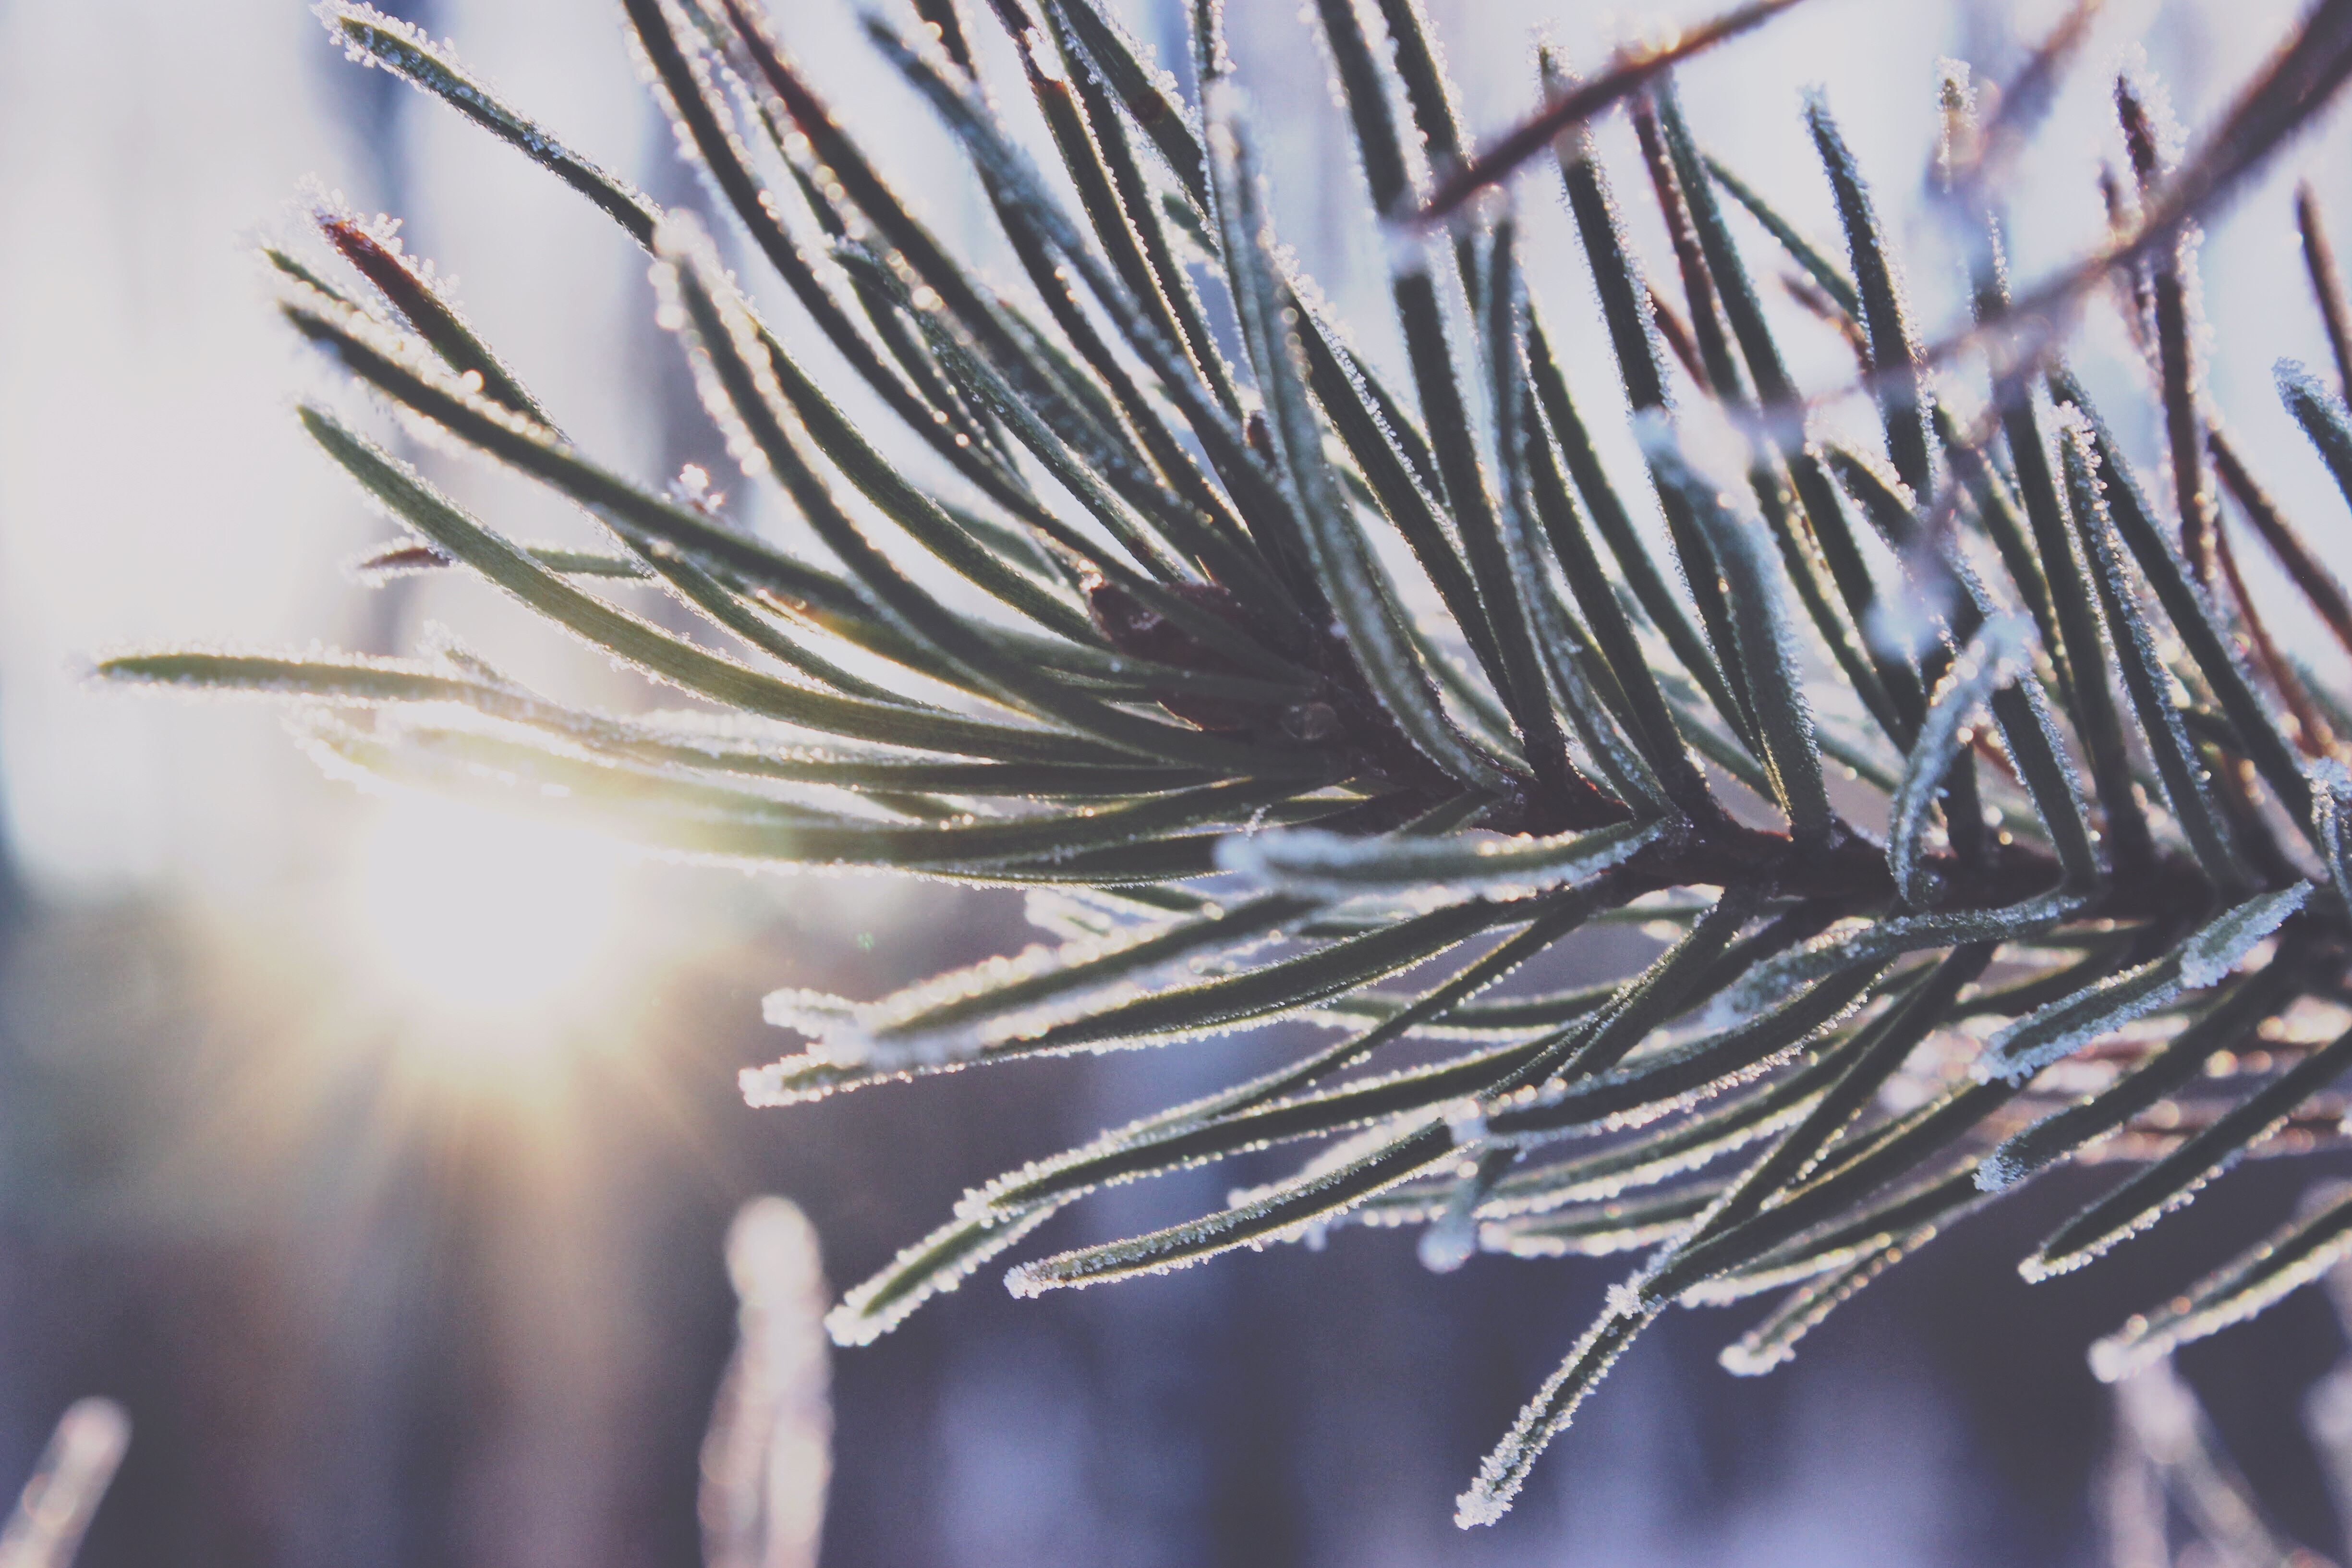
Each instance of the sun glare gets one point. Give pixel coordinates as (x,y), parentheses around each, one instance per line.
(476,913)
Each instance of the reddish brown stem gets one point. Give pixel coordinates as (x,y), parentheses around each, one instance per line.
(2311,731)
(1671,327)
(2318,584)
(1710,355)
(1579,103)
(1817,302)
(2327,283)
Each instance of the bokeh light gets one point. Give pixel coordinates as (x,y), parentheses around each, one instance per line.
(479,915)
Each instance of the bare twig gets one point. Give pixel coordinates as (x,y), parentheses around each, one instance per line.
(2326,282)
(2318,584)
(1631,72)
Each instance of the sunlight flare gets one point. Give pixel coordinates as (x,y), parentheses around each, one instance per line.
(480,914)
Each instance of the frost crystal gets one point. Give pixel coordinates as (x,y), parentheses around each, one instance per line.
(1772,979)
(2026,1047)
(1991,660)
(1316,863)
(2285,1261)
(939,1262)
(1904,620)
(2220,946)
(958,1015)
(2067,1026)
(2331,786)
(1774,1341)
(1547,1415)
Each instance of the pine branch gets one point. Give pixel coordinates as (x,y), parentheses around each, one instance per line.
(1147,659)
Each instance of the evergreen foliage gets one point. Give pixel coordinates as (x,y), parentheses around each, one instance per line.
(1185,691)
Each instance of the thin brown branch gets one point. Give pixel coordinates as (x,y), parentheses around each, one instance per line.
(1711,357)
(2326,282)
(396,559)
(1676,332)
(1816,302)
(2134,299)
(1630,73)
(2319,587)
(2311,731)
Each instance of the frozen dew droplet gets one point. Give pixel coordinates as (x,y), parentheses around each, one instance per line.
(1448,1243)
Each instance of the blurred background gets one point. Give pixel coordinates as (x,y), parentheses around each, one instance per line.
(378,1158)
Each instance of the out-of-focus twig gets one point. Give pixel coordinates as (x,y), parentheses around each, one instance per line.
(769,1454)
(2155,1411)
(2280,100)
(57,1503)
(1975,163)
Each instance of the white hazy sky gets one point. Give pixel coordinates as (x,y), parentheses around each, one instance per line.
(153,487)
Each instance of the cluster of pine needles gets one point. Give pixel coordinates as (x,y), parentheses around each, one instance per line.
(1275,682)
